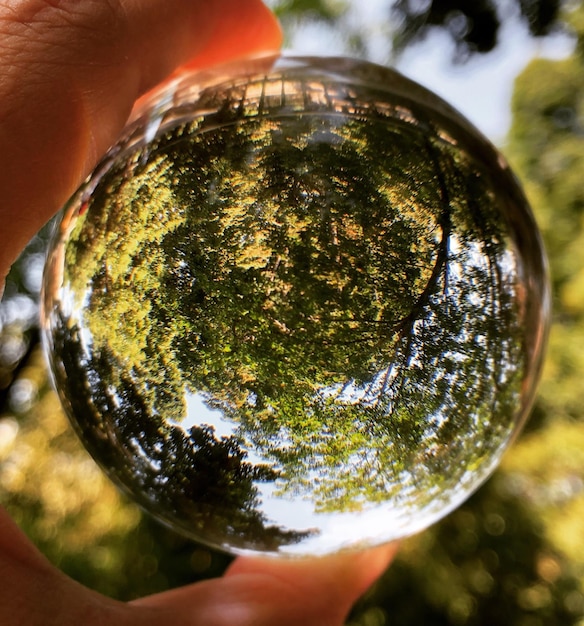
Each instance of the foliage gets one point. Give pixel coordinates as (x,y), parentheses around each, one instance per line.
(473,26)
(349,310)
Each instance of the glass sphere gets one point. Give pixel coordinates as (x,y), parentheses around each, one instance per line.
(297,310)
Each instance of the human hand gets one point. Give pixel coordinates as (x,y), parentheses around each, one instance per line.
(70,72)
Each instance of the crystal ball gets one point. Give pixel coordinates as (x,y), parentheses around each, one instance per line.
(299,307)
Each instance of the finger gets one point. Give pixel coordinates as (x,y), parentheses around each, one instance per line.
(34,592)
(264,592)
(237,33)
(254,592)
(70,72)
(316,591)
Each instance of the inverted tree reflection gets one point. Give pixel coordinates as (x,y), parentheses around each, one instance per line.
(341,289)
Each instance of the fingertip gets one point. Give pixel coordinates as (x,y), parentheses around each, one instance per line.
(372,560)
(319,589)
(267,591)
(240,30)
(370,565)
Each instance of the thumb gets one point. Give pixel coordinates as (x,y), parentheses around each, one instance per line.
(265,592)
(70,73)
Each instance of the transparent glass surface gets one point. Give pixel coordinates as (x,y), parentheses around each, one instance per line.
(297,310)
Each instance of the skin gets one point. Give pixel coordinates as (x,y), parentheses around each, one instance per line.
(70,73)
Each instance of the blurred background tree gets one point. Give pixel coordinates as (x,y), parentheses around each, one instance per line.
(513,555)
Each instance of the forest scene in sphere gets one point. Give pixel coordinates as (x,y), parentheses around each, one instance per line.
(297,323)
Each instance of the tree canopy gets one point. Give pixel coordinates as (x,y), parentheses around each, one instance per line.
(323,275)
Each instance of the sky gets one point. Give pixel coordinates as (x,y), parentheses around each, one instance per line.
(480,89)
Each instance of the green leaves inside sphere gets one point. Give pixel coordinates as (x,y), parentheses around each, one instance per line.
(298,312)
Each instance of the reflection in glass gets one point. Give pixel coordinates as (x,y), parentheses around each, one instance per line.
(297,312)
